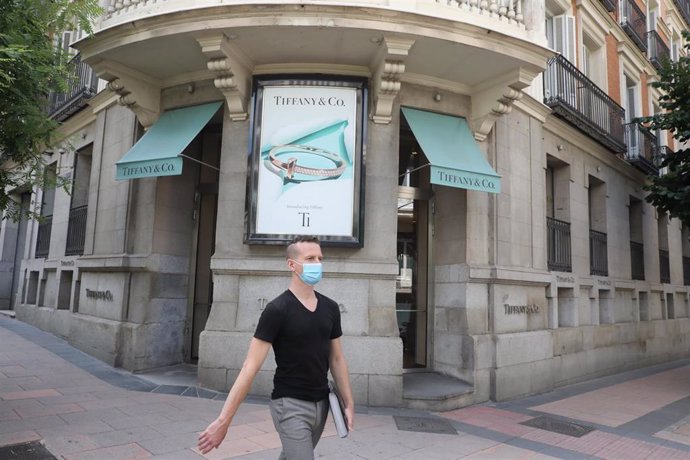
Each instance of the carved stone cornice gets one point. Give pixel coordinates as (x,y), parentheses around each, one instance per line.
(233,72)
(387,69)
(496,98)
(138,92)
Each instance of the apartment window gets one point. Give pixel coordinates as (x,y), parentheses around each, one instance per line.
(598,245)
(560,35)
(76,228)
(675,47)
(558,215)
(637,271)
(652,15)
(46,221)
(586,61)
(631,104)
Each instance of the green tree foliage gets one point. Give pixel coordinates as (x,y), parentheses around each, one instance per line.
(670,192)
(32,66)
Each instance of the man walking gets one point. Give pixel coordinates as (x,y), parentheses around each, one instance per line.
(303,326)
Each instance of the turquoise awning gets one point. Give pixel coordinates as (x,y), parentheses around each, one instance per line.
(158,151)
(453,154)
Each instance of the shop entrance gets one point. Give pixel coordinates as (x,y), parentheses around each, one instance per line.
(205,210)
(415,204)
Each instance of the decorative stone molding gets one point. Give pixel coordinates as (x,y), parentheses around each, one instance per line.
(233,72)
(138,92)
(387,69)
(493,99)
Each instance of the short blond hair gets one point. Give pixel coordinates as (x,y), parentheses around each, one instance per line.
(291,250)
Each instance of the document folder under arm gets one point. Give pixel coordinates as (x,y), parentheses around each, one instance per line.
(337,411)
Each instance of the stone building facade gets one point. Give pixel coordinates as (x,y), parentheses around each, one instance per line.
(560,273)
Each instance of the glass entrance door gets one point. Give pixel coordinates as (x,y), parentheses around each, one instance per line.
(412,281)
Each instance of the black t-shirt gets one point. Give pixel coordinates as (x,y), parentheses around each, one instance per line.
(301,342)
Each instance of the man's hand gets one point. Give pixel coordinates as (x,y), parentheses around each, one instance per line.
(212,436)
(350,416)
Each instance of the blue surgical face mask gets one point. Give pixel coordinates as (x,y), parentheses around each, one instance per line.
(311,273)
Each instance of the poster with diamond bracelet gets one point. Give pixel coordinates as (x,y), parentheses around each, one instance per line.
(306,162)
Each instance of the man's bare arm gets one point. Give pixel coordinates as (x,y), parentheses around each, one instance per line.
(214,434)
(339,369)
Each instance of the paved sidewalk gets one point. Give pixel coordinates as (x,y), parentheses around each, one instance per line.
(79,408)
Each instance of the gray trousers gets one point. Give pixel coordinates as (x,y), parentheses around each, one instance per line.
(299,425)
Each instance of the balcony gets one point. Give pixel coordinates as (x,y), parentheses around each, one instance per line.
(509,11)
(684,9)
(636,260)
(598,254)
(664,267)
(580,102)
(146,47)
(686,271)
(559,256)
(76,231)
(610,5)
(657,51)
(642,148)
(82,87)
(634,23)
(43,237)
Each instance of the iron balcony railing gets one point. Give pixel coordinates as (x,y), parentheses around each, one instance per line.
(43,237)
(559,257)
(610,5)
(637,260)
(76,231)
(83,85)
(579,101)
(598,256)
(686,271)
(684,9)
(634,22)
(657,51)
(664,267)
(642,148)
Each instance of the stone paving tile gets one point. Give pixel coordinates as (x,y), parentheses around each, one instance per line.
(18,437)
(15,371)
(70,444)
(124,452)
(10,387)
(241,432)
(233,449)
(93,415)
(133,421)
(27,412)
(546,437)
(168,444)
(589,443)
(382,450)
(132,435)
(35,394)
(77,428)
(267,440)
(185,454)
(507,452)
(64,399)
(670,436)
(628,449)
(665,453)
(8,414)
(191,425)
(35,423)
(612,403)
(153,408)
